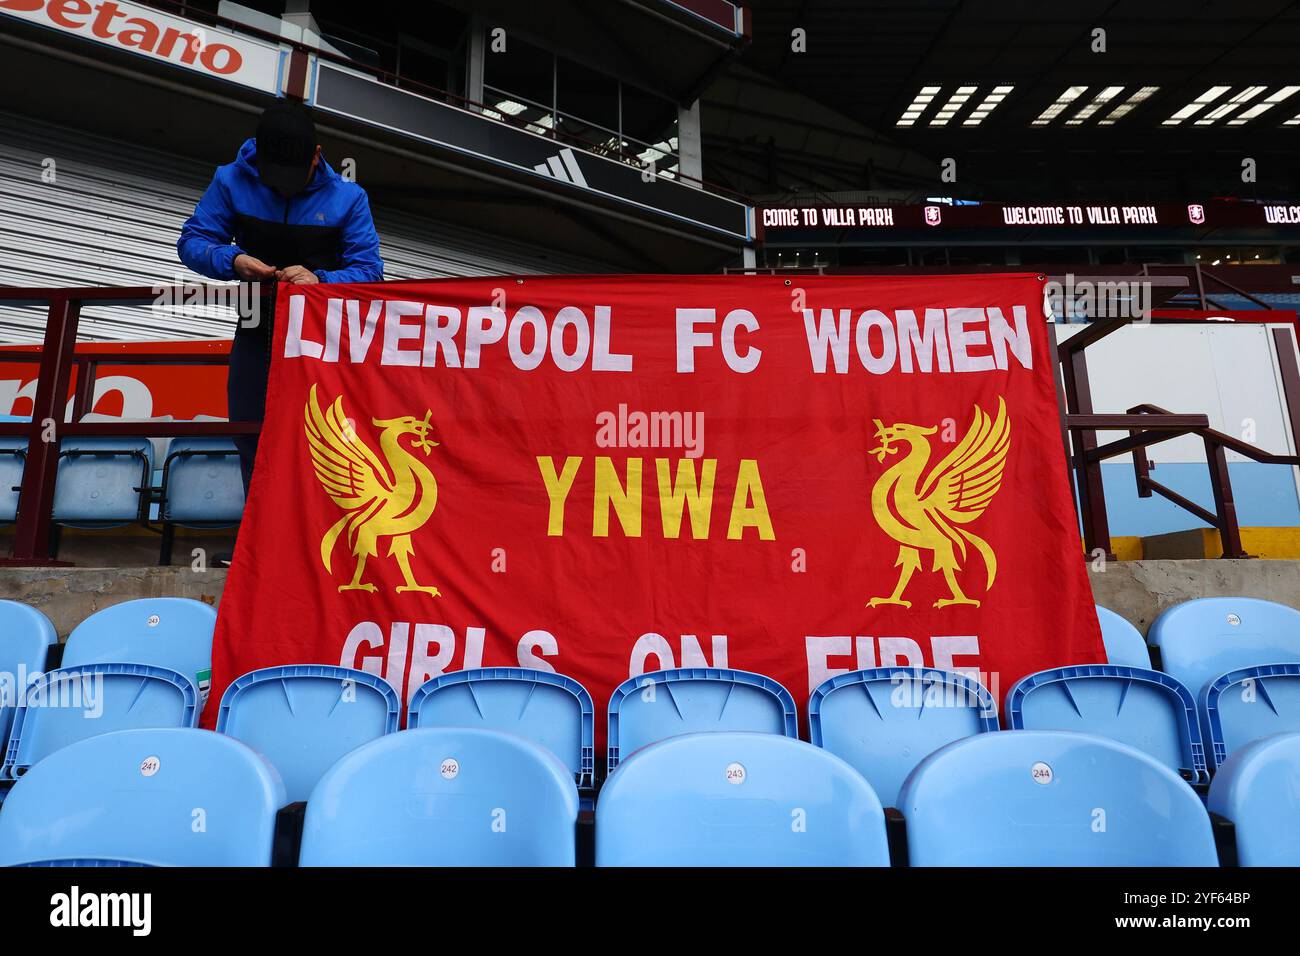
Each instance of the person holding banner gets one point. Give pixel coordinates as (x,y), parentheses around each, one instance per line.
(278,214)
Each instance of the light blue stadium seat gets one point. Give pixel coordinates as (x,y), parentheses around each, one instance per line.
(1134,705)
(882,721)
(1258,789)
(689,700)
(70,704)
(548,709)
(100,480)
(25,639)
(1249,703)
(443,797)
(83,863)
(202,485)
(1124,643)
(137,796)
(1202,639)
(1049,798)
(13,459)
(738,799)
(304,717)
(175,633)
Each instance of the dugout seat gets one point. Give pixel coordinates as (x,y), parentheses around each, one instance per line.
(1124,644)
(175,633)
(1202,639)
(202,487)
(304,717)
(882,721)
(1134,705)
(71,704)
(13,459)
(549,709)
(1258,789)
(665,703)
(138,796)
(102,482)
(26,636)
(738,799)
(1045,798)
(1249,703)
(443,797)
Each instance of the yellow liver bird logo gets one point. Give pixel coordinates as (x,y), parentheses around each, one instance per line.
(927,514)
(380,499)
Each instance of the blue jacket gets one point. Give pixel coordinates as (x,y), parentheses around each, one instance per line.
(327,227)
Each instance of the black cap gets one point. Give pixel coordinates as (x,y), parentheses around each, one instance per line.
(286,145)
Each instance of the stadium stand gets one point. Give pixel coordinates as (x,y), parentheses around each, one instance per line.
(1256,789)
(139,664)
(304,717)
(1124,644)
(618,154)
(1134,705)
(443,797)
(738,799)
(687,700)
(1048,798)
(551,710)
(1201,639)
(883,721)
(133,796)
(1083,739)
(1250,703)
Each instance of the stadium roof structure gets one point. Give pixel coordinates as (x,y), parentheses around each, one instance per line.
(1027,97)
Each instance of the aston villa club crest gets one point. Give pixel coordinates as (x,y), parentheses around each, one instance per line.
(933,215)
(1196,214)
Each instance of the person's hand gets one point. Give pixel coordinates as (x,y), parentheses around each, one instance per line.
(250,269)
(297,275)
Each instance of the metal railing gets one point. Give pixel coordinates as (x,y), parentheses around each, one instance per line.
(1146,424)
(1149,425)
(45,432)
(1201,277)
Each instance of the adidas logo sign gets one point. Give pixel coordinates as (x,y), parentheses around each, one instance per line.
(563,167)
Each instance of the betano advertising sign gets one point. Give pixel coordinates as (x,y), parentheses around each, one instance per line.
(138,29)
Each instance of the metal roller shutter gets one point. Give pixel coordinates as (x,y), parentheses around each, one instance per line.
(102,221)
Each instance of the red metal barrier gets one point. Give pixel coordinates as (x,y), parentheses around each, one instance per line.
(47,429)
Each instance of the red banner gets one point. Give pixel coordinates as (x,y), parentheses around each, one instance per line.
(603,476)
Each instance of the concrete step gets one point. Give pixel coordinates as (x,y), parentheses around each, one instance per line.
(1268,543)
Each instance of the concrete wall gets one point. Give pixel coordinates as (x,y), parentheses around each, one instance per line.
(69,595)
(1137,590)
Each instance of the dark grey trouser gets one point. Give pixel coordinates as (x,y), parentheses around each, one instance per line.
(246,393)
